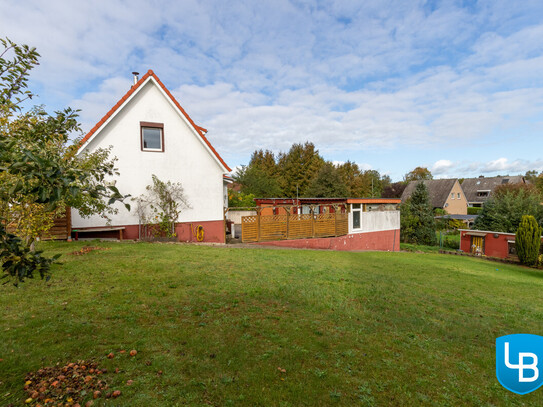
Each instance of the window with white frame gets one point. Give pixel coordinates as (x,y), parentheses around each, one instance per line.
(356,210)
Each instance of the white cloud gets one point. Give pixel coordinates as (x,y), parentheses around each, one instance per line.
(353,78)
(441,167)
(504,166)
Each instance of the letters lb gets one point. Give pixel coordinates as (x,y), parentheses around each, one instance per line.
(519,362)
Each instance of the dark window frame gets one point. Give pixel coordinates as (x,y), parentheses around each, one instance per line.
(153,126)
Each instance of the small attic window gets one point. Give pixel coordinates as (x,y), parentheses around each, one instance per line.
(152,136)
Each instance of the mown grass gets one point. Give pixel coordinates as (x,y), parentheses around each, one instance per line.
(390,329)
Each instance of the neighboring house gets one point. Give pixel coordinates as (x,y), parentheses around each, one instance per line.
(445,194)
(479,190)
(488,243)
(325,223)
(150,133)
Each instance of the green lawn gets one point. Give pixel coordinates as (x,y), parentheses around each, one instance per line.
(349,329)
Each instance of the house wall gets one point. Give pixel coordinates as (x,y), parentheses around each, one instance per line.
(186,159)
(456,206)
(375,221)
(388,240)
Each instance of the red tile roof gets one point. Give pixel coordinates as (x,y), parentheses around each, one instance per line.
(200,130)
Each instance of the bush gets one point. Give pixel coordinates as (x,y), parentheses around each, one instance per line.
(528,240)
(417,218)
(473,210)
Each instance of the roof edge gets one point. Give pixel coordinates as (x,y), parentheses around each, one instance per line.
(198,129)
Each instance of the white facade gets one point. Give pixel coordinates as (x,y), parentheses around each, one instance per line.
(375,221)
(186,157)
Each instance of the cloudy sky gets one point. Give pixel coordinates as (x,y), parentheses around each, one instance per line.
(456,86)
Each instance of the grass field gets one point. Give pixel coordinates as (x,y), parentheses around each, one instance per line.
(348,329)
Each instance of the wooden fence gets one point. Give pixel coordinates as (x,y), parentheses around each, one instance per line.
(279,227)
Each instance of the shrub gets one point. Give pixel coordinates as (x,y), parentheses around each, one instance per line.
(473,210)
(528,240)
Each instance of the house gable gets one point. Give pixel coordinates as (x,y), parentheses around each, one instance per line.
(151,78)
(438,190)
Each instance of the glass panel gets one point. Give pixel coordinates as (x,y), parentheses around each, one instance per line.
(152,138)
(356,206)
(356,220)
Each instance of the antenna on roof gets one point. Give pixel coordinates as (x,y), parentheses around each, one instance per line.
(135,77)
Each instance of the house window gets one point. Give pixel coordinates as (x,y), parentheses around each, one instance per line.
(452,195)
(458,195)
(152,136)
(356,215)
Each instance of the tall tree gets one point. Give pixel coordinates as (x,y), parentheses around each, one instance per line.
(503,212)
(351,176)
(257,182)
(298,167)
(372,183)
(417,174)
(36,168)
(327,184)
(417,218)
(264,160)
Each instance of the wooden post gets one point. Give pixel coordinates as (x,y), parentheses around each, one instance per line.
(312,210)
(335,221)
(258,226)
(288,216)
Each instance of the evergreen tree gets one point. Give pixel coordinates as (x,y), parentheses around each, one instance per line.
(417,218)
(264,161)
(297,168)
(503,212)
(352,178)
(327,184)
(528,240)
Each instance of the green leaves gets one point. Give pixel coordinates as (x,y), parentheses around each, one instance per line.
(503,212)
(39,171)
(19,261)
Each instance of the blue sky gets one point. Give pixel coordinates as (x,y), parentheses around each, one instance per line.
(455,86)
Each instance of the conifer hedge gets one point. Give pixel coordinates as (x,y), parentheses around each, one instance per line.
(528,240)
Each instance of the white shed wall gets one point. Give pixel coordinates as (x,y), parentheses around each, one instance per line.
(376,221)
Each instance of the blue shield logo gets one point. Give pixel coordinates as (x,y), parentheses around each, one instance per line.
(519,362)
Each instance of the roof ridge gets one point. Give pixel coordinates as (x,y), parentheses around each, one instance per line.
(199,130)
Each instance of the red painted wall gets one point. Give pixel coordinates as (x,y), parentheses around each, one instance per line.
(388,240)
(494,246)
(213,232)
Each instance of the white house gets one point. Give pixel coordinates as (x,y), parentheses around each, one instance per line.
(150,133)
